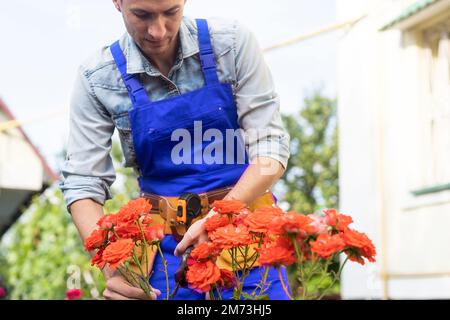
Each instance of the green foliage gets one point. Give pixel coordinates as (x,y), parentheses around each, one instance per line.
(43,253)
(311,178)
(42,249)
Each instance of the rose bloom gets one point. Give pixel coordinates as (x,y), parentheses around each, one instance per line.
(203,276)
(133,210)
(228,206)
(292,223)
(326,245)
(216,221)
(73,294)
(260,220)
(337,220)
(239,218)
(227,279)
(319,223)
(154,233)
(277,253)
(147,220)
(231,236)
(107,221)
(97,259)
(129,231)
(117,252)
(95,240)
(205,251)
(360,246)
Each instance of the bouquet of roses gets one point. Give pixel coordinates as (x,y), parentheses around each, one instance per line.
(126,241)
(269,237)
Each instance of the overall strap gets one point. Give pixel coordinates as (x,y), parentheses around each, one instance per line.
(207,58)
(135,89)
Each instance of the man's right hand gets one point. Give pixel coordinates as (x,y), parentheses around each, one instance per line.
(117,288)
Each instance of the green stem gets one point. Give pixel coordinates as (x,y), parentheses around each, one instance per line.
(336,276)
(165,270)
(283,284)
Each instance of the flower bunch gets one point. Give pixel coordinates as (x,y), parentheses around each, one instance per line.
(269,237)
(125,241)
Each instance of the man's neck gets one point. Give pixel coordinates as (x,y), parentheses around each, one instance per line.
(164,63)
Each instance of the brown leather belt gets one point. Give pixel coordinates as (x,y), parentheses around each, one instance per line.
(164,209)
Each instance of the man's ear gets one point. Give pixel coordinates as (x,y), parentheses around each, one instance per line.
(117,4)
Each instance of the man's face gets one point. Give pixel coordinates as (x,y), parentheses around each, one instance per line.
(153,24)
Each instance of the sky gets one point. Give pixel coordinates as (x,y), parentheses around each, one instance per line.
(43,43)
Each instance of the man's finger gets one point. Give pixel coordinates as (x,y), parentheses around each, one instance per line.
(112,295)
(121,287)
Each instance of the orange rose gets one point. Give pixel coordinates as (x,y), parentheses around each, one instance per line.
(97,259)
(205,251)
(337,220)
(154,233)
(227,279)
(260,220)
(326,245)
(202,276)
(231,236)
(239,218)
(359,246)
(277,253)
(107,221)
(95,240)
(118,252)
(343,222)
(292,223)
(129,231)
(216,221)
(133,210)
(228,206)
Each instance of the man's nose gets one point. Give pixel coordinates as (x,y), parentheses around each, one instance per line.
(157,29)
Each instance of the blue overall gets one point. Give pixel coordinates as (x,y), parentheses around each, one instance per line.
(152,123)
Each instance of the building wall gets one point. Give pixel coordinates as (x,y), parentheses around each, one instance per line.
(384,155)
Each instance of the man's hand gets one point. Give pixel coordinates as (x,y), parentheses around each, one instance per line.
(117,288)
(195,235)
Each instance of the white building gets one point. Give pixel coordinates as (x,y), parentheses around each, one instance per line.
(394,115)
(23,170)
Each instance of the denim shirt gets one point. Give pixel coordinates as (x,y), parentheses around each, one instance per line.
(100,103)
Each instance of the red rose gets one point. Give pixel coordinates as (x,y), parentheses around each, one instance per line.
(359,246)
(203,276)
(277,253)
(95,240)
(205,251)
(216,221)
(231,236)
(227,279)
(117,252)
(228,206)
(154,233)
(260,220)
(292,223)
(326,245)
(73,294)
(107,221)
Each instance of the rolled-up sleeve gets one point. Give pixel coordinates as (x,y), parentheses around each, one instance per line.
(258,103)
(88,170)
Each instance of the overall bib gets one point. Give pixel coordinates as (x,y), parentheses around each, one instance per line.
(212,108)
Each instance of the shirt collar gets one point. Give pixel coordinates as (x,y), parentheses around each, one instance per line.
(138,63)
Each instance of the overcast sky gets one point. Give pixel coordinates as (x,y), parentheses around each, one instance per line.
(43,42)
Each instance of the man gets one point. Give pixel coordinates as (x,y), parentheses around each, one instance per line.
(168,73)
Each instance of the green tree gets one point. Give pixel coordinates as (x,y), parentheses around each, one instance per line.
(311,178)
(43,253)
